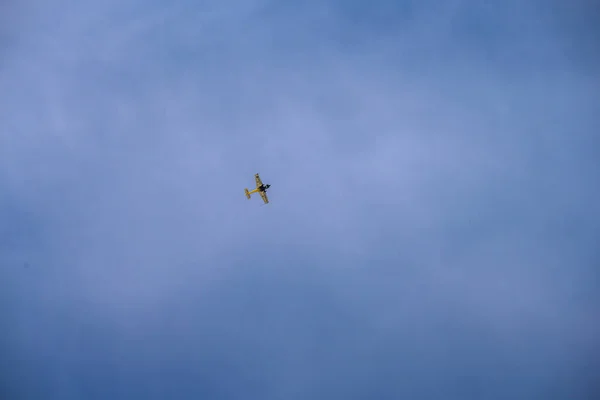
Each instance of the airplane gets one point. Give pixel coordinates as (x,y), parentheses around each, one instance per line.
(260,188)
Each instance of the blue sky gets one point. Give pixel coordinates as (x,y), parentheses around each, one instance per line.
(433,227)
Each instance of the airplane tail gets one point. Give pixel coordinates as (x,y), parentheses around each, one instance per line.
(247,193)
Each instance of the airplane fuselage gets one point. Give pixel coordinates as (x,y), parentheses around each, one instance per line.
(262,188)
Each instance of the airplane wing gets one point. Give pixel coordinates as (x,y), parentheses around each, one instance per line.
(264,197)
(258,181)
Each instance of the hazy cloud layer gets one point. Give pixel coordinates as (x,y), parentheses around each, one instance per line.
(434,219)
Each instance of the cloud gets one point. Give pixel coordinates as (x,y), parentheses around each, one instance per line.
(432,222)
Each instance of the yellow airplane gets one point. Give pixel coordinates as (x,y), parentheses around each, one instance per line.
(260,188)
